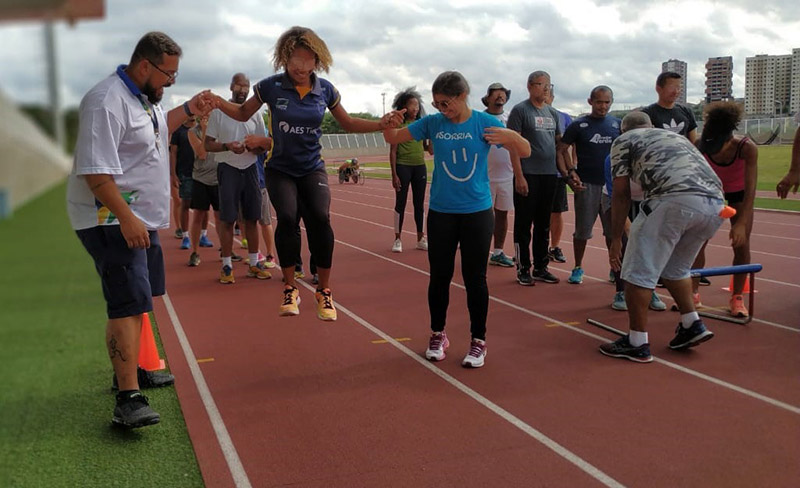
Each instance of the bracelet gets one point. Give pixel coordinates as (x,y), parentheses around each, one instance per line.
(187,110)
(571,170)
(224,146)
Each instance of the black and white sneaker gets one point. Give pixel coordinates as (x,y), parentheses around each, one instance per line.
(556,255)
(544,275)
(694,335)
(133,411)
(524,277)
(147,379)
(622,348)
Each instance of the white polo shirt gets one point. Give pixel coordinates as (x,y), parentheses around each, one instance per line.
(116,136)
(225,129)
(500,168)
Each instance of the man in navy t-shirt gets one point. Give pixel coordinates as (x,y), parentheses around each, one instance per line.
(591,136)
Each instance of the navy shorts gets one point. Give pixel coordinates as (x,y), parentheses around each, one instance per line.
(130,277)
(238,187)
(185,187)
(560,199)
(204,195)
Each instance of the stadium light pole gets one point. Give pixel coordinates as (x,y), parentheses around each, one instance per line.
(383,96)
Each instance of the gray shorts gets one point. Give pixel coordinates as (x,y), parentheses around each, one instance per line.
(587,208)
(266,213)
(666,237)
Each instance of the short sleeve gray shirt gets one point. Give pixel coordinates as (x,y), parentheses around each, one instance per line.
(540,127)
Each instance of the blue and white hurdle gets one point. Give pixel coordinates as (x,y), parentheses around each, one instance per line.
(750,269)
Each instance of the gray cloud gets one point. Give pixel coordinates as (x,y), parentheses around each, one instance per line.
(378,46)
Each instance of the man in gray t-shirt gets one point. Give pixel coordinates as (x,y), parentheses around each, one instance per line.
(535,179)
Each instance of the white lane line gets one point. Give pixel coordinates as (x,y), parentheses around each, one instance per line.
(697,374)
(539,436)
(235,466)
(565,271)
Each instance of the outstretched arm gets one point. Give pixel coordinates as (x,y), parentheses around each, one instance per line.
(355,124)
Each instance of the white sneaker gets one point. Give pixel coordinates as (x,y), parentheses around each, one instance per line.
(422,244)
(397,246)
(476,355)
(437,345)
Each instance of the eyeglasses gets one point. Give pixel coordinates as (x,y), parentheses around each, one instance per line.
(443,104)
(170,76)
(547,86)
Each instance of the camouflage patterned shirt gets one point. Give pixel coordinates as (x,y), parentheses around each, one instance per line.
(665,163)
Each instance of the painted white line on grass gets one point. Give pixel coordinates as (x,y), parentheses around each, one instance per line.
(539,436)
(223,437)
(752,394)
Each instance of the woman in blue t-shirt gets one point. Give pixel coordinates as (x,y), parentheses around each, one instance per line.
(295,172)
(460,209)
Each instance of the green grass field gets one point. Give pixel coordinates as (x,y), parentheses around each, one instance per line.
(773,162)
(55,395)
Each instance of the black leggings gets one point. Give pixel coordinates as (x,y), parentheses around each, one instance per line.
(286,193)
(417,178)
(534,208)
(473,233)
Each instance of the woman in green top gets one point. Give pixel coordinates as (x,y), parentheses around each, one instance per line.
(408,169)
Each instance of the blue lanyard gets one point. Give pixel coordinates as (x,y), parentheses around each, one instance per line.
(140,96)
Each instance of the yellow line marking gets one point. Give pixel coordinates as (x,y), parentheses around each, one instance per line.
(398,339)
(559,325)
(205,360)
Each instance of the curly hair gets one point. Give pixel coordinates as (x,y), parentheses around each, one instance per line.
(402,98)
(301,37)
(721,117)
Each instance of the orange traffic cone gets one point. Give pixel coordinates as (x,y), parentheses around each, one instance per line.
(746,288)
(148,352)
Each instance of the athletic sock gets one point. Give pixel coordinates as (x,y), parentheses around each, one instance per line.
(497,252)
(637,338)
(253,258)
(688,319)
(185,233)
(204,232)
(226,261)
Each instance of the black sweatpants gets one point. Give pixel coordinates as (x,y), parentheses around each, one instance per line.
(417,178)
(473,234)
(286,192)
(534,209)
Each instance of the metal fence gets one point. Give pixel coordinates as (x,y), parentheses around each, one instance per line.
(762,129)
(353,141)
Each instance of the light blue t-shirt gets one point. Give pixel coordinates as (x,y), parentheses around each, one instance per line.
(460,173)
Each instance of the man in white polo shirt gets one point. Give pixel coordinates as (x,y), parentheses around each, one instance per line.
(238,145)
(118,197)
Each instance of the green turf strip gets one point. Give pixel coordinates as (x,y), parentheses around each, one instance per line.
(55,398)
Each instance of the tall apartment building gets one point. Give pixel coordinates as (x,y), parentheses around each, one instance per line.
(719,79)
(679,67)
(772,84)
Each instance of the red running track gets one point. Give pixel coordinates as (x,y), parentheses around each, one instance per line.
(273,401)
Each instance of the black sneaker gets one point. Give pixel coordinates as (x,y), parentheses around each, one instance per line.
(133,411)
(524,278)
(555,254)
(148,379)
(705,281)
(622,348)
(690,337)
(544,275)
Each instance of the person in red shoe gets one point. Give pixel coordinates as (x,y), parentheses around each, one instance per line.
(734,159)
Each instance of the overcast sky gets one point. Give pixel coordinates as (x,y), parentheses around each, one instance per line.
(383,46)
